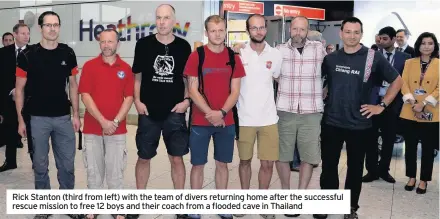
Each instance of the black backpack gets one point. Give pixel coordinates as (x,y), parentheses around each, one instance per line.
(201,53)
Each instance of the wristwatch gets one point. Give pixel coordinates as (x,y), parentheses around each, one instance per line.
(223,112)
(116,121)
(382,104)
(189,99)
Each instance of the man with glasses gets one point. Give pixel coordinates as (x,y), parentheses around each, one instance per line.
(43,71)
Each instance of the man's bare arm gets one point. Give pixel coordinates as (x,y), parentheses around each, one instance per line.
(233,96)
(73,92)
(92,108)
(194,94)
(20,83)
(123,111)
(137,87)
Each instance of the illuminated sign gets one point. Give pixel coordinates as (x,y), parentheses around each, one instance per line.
(125,29)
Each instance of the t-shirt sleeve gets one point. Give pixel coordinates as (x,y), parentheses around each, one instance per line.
(129,83)
(191,67)
(278,63)
(239,68)
(85,81)
(138,62)
(324,71)
(73,65)
(22,65)
(388,73)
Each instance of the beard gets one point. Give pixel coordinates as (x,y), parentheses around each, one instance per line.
(255,40)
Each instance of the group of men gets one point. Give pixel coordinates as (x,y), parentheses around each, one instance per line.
(230,96)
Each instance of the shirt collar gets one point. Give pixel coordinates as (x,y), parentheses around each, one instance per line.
(384,52)
(117,62)
(248,48)
(22,48)
(404,47)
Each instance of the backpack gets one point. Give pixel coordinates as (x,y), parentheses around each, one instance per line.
(201,54)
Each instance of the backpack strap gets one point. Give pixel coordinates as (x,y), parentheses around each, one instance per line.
(231,62)
(201,53)
(368,64)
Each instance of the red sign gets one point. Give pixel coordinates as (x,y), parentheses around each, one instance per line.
(244,7)
(294,11)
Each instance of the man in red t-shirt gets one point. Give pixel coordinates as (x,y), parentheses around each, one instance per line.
(106,87)
(212,115)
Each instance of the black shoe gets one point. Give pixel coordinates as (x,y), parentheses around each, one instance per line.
(320,216)
(181,216)
(388,178)
(76,216)
(7,166)
(352,215)
(292,215)
(369,178)
(422,191)
(42,216)
(132,216)
(410,187)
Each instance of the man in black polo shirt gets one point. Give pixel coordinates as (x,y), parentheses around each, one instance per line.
(43,70)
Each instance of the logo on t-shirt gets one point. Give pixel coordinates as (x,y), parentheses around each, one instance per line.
(163,66)
(269,64)
(347,70)
(121,74)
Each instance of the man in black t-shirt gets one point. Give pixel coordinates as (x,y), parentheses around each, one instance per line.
(352,72)
(43,71)
(161,97)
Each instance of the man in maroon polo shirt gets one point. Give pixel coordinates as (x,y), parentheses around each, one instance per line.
(106,87)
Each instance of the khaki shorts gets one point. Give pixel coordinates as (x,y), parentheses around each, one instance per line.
(268,142)
(302,129)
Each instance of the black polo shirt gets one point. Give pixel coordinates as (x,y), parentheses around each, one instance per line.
(47,73)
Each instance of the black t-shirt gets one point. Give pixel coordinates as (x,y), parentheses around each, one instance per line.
(47,73)
(347,91)
(162,67)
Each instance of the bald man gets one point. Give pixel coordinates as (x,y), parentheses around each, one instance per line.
(161,97)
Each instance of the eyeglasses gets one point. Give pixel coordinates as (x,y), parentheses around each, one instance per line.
(257,28)
(52,25)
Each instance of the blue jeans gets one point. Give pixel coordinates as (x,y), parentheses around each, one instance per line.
(60,131)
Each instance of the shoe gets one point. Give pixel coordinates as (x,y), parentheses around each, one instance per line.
(194,216)
(388,178)
(422,191)
(410,187)
(181,216)
(226,216)
(78,216)
(352,215)
(132,216)
(267,216)
(238,215)
(292,215)
(42,216)
(7,166)
(320,216)
(369,178)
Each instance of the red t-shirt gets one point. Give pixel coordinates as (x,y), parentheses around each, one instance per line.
(216,78)
(108,86)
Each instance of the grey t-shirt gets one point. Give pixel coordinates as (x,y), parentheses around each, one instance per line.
(347,91)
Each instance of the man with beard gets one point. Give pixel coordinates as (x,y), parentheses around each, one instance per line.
(256,105)
(352,73)
(106,88)
(299,103)
(48,105)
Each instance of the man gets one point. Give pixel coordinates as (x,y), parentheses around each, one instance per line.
(8,59)
(351,74)
(256,105)
(161,97)
(212,114)
(7,39)
(106,88)
(299,103)
(330,48)
(48,105)
(388,120)
(402,42)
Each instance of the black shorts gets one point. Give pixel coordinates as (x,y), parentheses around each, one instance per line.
(175,135)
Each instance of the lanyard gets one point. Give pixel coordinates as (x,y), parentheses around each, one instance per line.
(423,71)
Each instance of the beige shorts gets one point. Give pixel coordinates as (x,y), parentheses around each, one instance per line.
(303,129)
(267,139)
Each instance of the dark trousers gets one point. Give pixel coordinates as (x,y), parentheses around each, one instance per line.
(428,135)
(12,137)
(387,122)
(333,139)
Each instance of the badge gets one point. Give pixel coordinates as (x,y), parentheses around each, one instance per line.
(121,74)
(419,92)
(269,64)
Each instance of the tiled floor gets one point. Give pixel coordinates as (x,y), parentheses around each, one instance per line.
(379,200)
